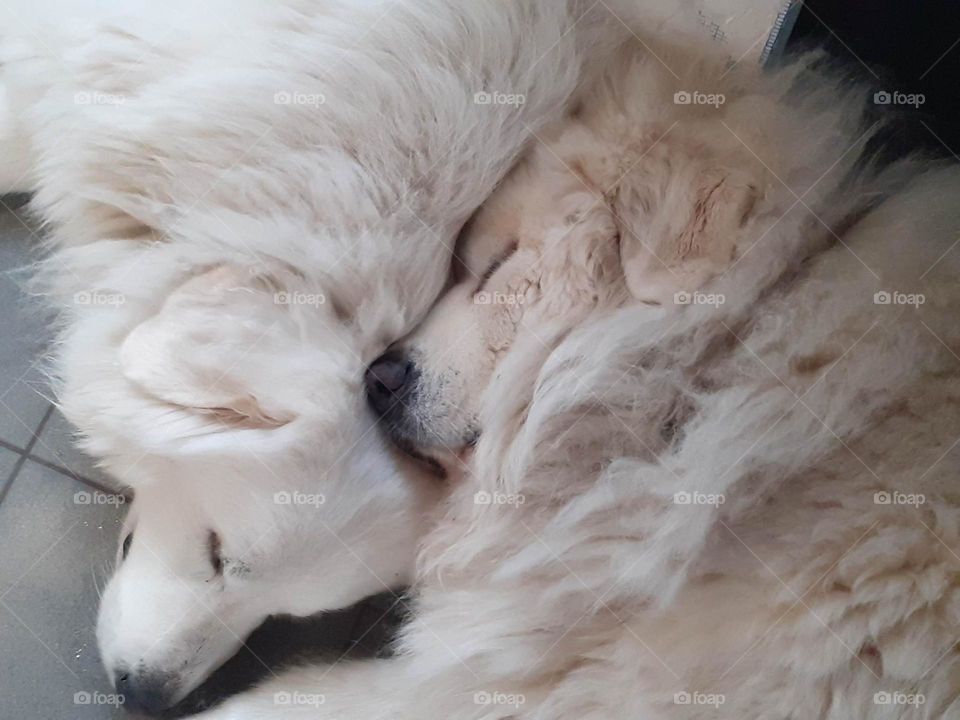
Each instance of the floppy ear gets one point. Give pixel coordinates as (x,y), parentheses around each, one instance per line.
(221,347)
(680,222)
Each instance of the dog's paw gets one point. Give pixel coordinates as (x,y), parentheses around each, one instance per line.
(229,711)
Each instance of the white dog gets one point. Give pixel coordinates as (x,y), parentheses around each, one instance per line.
(709,363)
(246,202)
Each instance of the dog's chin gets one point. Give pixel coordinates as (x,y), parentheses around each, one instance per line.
(452,463)
(440,460)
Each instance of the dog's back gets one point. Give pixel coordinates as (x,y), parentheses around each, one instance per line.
(756,517)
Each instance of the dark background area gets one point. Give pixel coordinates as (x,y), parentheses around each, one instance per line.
(896,46)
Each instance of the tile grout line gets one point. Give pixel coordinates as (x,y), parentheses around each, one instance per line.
(40,426)
(11,447)
(63,470)
(74,476)
(51,465)
(25,453)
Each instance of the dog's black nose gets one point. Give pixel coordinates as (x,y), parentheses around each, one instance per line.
(387,379)
(144,692)
(388,373)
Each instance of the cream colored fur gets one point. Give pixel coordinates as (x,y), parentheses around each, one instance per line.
(680,508)
(245,201)
(600,595)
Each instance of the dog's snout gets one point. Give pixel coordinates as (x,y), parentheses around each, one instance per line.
(145,692)
(387,379)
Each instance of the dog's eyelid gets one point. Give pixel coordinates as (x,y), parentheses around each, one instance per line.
(125,547)
(497,264)
(213,552)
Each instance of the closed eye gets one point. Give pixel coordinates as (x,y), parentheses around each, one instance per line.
(213,552)
(496,265)
(125,548)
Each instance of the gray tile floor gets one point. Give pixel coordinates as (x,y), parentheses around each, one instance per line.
(55,543)
(56,546)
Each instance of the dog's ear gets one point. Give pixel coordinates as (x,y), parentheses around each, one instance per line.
(680,222)
(224,349)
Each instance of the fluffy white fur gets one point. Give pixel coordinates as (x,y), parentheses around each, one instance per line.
(599,596)
(245,202)
(800,398)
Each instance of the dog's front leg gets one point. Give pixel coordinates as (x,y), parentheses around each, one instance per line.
(352,690)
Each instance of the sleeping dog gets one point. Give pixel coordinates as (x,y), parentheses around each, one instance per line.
(697,373)
(246,202)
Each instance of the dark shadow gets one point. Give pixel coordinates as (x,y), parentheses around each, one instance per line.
(901,50)
(363,631)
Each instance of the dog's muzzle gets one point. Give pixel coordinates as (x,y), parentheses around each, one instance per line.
(146,692)
(392,392)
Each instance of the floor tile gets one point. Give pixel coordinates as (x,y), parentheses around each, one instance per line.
(7,462)
(23,329)
(54,542)
(56,445)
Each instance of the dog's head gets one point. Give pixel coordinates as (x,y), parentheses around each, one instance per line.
(204,560)
(261,487)
(582,226)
